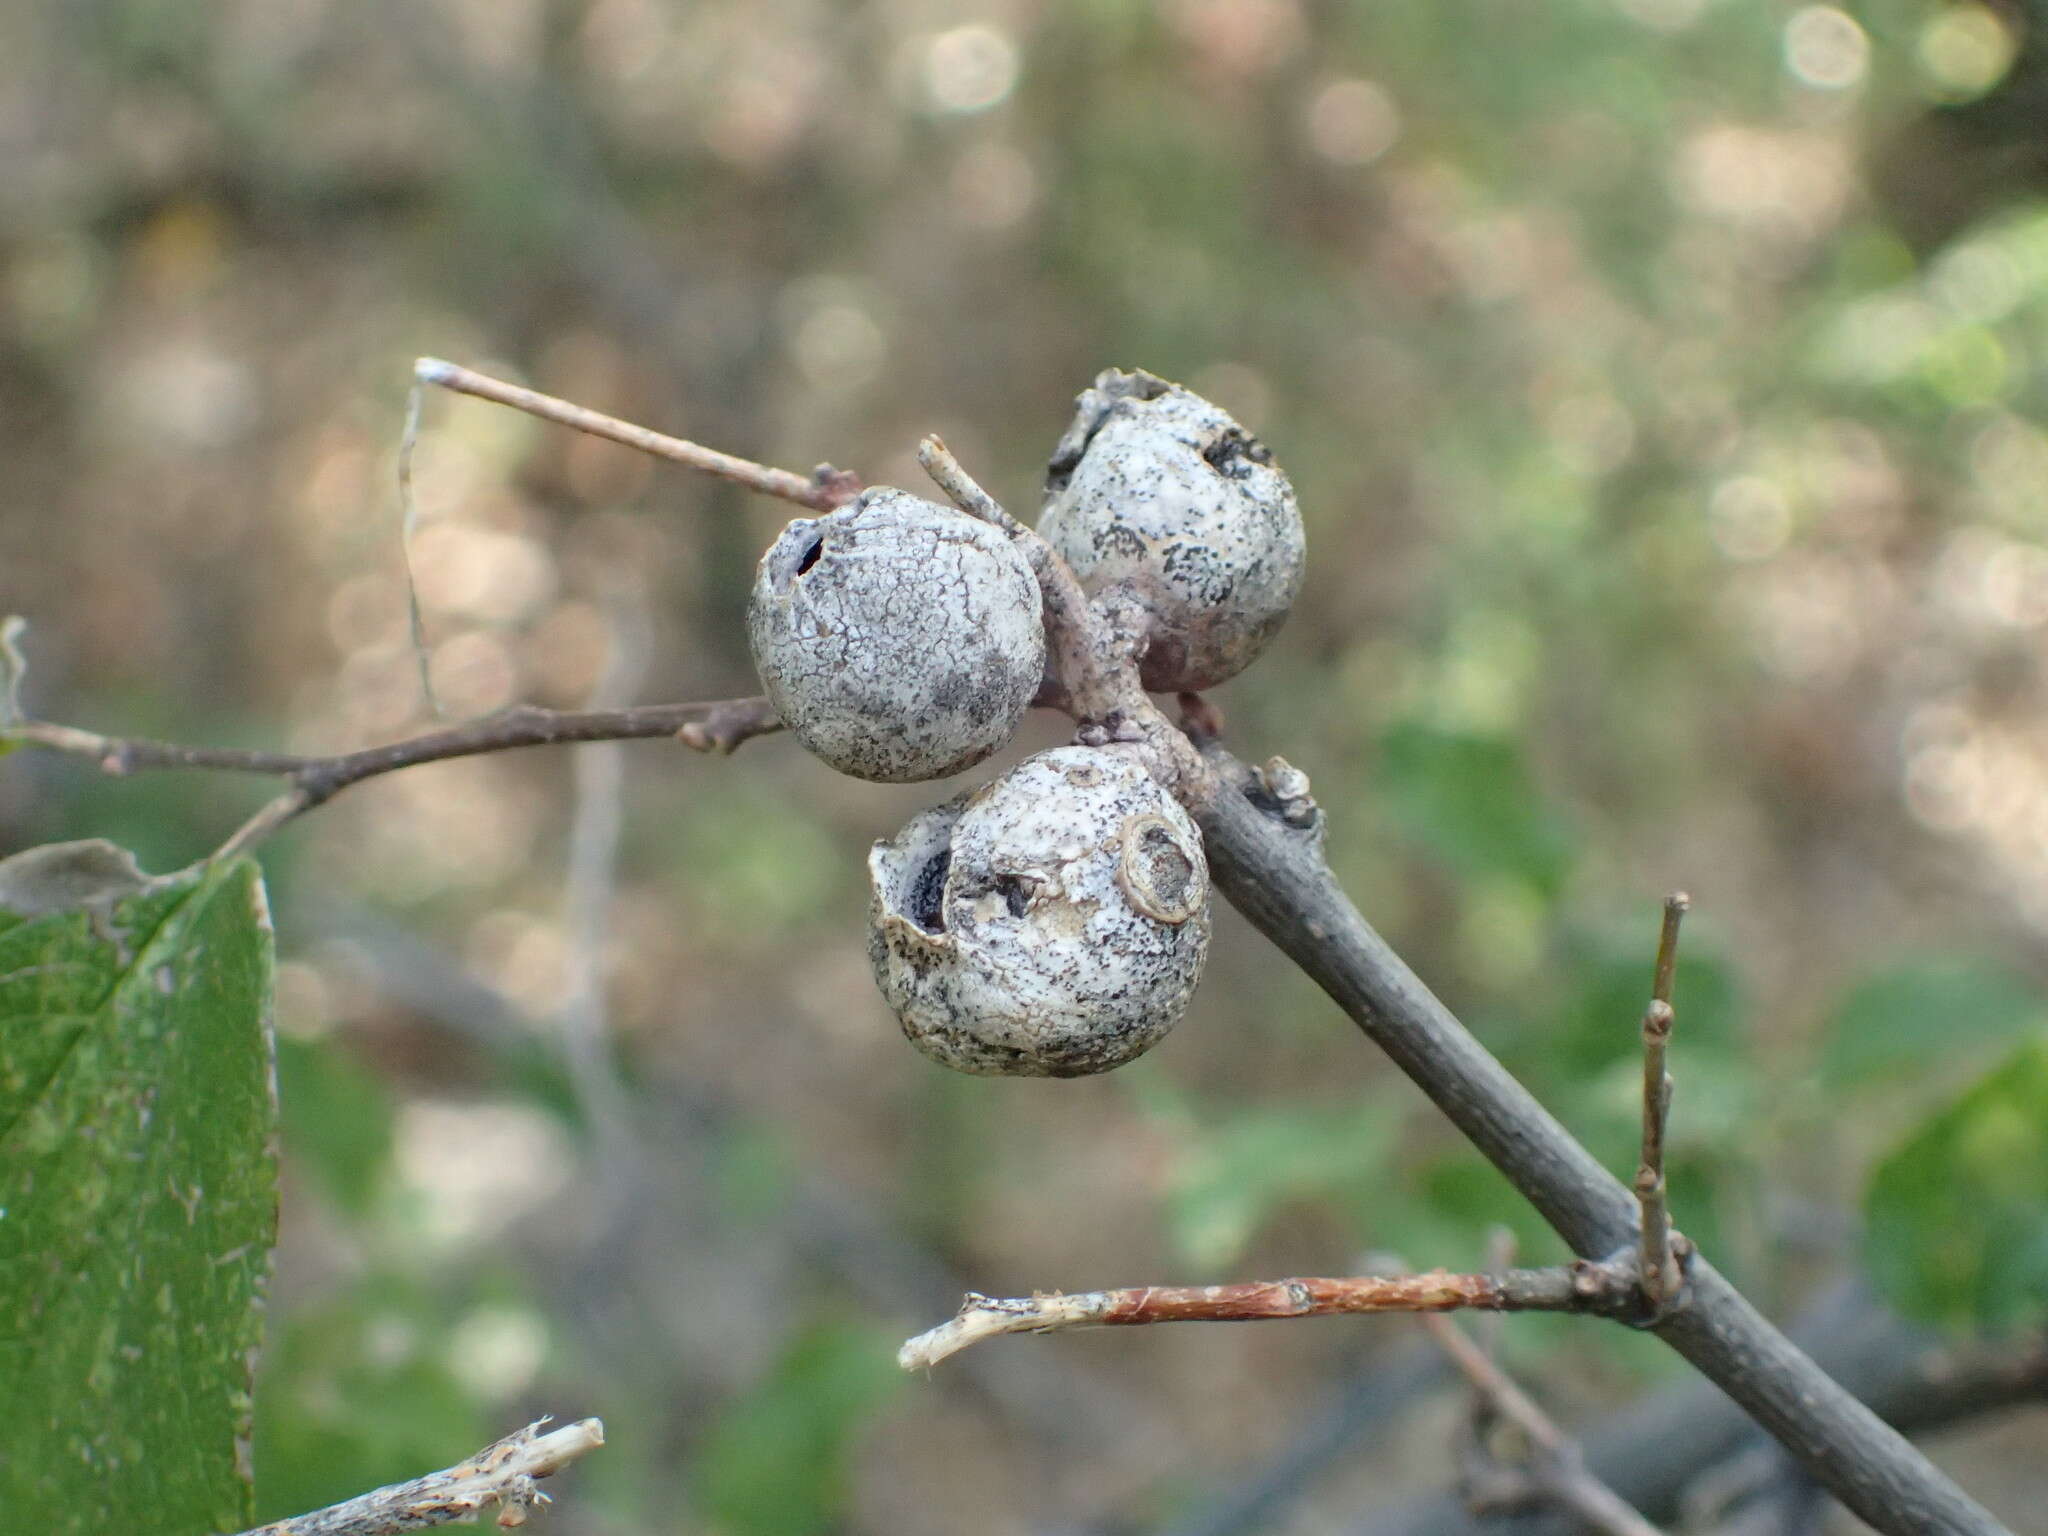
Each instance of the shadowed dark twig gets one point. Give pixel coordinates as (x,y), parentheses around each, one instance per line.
(1555,1472)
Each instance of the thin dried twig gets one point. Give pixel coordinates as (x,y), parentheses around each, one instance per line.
(408,525)
(963,490)
(718,726)
(500,1476)
(708,727)
(1662,1276)
(822,490)
(1556,1472)
(1580,1287)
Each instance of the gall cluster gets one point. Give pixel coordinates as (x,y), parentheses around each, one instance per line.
(1053,922)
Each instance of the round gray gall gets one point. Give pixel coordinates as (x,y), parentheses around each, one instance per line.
(896,638)
(1052,923)
(1155,488)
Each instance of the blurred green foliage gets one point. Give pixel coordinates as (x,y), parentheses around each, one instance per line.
(360,1392)
(1958,1212)
(778,1462)
(1469,799)
(1241,1165)
(1924,1018)
(340,1126)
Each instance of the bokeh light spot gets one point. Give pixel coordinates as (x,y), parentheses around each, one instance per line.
(1749,518)
(1825,48)
(993,185)
(1352,122)
(1978,281)
(475,1169)
(838,346)
(497,1351)
(969,69)
(1964,51)
(473,673)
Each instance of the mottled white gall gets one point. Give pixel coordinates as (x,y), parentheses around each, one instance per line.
(1155,489)
(1052,923)
(896,638)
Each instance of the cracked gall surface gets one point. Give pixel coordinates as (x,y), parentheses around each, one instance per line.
(898,639)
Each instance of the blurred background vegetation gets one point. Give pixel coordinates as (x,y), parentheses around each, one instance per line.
(1666,385)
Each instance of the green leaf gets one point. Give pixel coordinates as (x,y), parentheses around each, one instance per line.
(138,1193)
(1921,1012)
(1956,1219)
(777,1464)
(1473,803)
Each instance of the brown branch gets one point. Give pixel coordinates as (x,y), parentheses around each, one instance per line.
(730,724)
(822,490)
(719,726)
(1586,1287)
(1557,1472)
(1663,1277)
(1676,905)
(500,1476)
(1277,877)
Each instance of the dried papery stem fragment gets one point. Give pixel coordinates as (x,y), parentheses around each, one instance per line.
(500,1476)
